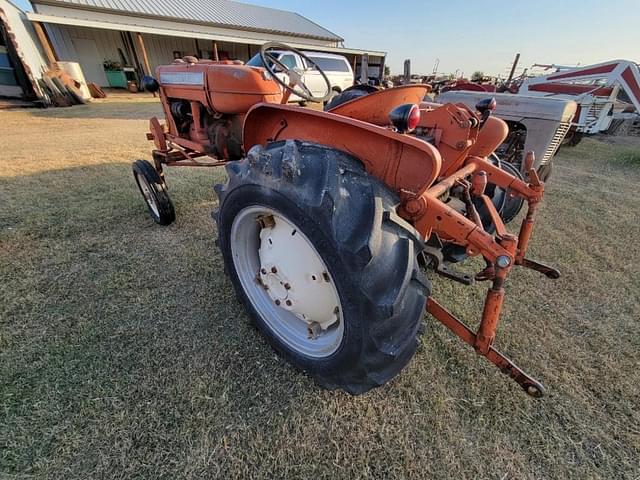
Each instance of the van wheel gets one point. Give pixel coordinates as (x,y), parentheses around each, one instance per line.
(348,94)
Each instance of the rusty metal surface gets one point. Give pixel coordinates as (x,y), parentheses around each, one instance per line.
(454,128)
(547,270)
(157,134)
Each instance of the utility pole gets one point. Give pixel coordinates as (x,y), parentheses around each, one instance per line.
(513,68)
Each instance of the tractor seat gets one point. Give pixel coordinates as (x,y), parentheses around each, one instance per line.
(375,107)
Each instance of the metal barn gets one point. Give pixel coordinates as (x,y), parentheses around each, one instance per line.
(119,40)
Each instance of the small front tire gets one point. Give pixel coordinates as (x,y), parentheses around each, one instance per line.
(154,192)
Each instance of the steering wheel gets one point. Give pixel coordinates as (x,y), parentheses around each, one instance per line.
(295,85)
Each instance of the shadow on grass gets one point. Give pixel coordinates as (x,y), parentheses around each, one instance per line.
(124,354)
(121,334)
(125,110)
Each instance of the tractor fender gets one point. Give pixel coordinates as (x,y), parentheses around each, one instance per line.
(404,163)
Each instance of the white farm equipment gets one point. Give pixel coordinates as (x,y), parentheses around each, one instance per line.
(599,90)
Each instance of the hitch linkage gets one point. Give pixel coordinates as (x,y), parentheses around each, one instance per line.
(502,254)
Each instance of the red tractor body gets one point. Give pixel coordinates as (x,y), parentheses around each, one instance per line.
(451,198)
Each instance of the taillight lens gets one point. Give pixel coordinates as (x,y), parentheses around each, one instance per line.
(414,118)
(405,117)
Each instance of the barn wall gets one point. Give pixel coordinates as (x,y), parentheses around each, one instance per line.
(66,38)
(26,44)
(159,48)
(107,41)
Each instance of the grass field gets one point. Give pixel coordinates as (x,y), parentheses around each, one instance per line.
(124,354)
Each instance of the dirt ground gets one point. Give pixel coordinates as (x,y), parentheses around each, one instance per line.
(124,354)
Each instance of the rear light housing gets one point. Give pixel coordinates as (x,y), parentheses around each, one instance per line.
(405,117)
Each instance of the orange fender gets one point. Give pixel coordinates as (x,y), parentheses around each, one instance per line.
(404,163)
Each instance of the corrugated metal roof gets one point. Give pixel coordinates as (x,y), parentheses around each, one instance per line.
(221,13)
(234,37)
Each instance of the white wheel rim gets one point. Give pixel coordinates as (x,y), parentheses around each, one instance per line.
(148,194)
(286,281)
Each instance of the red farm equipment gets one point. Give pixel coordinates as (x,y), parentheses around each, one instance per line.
(329,220)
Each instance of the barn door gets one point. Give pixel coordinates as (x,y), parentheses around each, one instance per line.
(90,61)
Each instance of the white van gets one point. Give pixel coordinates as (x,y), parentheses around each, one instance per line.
(335,67)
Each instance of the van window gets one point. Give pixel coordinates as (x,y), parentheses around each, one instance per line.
(331,64)
(288,60)
(256,61)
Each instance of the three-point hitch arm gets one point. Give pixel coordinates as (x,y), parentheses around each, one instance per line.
(501,251)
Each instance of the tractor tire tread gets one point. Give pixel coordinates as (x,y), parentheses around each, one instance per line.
(377,249)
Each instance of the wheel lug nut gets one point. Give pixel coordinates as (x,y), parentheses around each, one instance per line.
(263,271)
(277,302)
(288,303)
(287,286)
(313,330)
(274,270)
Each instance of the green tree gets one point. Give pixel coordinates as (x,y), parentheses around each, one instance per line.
(477,76)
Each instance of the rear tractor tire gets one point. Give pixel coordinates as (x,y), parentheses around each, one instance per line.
(323,265)
(332,94)
(512,203)
(348,94)
(154,192)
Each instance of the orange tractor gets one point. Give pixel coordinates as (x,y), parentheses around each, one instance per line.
(329,220)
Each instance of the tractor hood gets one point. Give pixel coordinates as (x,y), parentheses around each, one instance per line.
(516,107)
(226,86)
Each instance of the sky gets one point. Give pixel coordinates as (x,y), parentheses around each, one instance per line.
(480,35)
(468,36)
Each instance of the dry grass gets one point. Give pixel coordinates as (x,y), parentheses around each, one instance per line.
(123,353)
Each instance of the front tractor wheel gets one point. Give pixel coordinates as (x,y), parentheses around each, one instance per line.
(325,268)
(154,192)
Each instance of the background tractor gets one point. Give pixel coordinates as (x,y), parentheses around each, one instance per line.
(537,124)
(329,220)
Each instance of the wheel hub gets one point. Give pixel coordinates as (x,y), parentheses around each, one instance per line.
(294,275)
